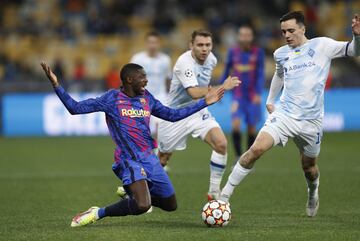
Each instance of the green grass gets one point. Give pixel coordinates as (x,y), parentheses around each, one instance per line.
(44,182)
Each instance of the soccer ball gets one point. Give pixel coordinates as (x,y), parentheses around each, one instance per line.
(216,213)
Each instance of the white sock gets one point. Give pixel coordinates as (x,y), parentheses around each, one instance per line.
(217,169)
(313,185)
(236,176)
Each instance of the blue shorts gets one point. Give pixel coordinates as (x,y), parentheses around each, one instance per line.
(149,169)
(243,108)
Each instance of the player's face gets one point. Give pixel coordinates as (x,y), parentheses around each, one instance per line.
(153,44)
(201,48)
(292,32)
(245,37)
(138,82)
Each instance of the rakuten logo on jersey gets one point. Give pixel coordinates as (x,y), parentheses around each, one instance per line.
(135,113)
(299,66)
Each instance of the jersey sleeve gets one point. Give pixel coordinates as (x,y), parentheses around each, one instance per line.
(185,72)
(173,115)
(82,107)
(335,49)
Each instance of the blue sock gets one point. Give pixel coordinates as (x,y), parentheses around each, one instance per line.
(101,213)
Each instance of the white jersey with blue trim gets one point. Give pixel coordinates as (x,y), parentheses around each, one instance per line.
(158,70)
(304,70)
(188,73)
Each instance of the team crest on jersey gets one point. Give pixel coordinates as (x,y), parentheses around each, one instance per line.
(311,52)
(188,73)
(142,101)
(143,173)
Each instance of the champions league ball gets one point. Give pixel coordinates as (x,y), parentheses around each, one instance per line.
(216,213)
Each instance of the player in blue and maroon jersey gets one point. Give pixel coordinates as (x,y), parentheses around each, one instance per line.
(128,113)
(245,61)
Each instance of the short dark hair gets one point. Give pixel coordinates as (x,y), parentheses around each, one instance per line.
(152,34)
(297,15)
(128,70)
(247,25)
(200,32)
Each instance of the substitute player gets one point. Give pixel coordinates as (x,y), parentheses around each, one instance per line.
(191,78)
(128,113)
(157,66)
(246,61)
(302,67)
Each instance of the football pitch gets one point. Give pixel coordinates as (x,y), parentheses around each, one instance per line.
(44,182)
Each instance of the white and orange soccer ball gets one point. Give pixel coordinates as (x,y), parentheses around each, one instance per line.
(216,213)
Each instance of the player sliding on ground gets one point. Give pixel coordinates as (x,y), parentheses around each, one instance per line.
(128,113)
(302,67)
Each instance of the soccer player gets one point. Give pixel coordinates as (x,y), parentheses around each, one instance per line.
(128,113)
(246,61)
(302,67)
(191,77)
(157,66)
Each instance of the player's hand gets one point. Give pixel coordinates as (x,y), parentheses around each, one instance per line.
(256,99)
(270,108)
(356,25)
(231,82)
(214,95)
(51,76)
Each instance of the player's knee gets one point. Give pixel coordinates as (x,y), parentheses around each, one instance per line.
(143,207)
(221,146)
(164,158)
(171,207)
(256,151)
(310,169)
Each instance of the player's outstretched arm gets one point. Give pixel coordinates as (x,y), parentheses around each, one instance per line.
(231,82)
(169,114)
(73,106)
(200,92)
(51,76)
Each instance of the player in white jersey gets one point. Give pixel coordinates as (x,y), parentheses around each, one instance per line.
(302,67)
(157,66)
(191,78)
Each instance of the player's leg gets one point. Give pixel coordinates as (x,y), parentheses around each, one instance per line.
(216,139)
(309,142)
(263,142)
(312,176)
(164,157)
(253,116)
(139,203)
(236,128)
(165,203)
(251,132)
(161,189)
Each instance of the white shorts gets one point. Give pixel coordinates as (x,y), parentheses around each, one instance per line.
(307,134)
(154,123)
(173,136)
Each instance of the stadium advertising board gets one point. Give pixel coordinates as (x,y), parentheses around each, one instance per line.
(44,114)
